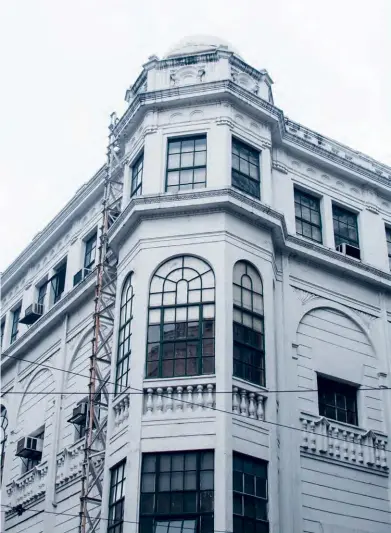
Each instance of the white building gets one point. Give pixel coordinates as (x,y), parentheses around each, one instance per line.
(231,214)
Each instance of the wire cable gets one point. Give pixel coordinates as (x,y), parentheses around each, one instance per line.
(101,518)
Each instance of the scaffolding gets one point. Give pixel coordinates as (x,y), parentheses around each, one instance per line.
(100,359)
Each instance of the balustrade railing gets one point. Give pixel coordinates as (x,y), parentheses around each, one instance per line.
(121,411)
(28,487)
(248,403)
(179,400)
(343,442)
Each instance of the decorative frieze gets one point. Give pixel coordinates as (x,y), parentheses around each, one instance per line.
(29,487)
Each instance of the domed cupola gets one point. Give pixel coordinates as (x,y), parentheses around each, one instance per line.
(198,44)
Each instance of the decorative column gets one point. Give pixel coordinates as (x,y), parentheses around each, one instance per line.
(266,174)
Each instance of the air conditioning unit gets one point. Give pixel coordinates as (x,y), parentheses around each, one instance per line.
(30,448)
(32,313)
(349,249)
(79,414)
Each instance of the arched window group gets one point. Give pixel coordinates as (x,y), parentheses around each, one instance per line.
(181,319)
(248,324)
(124,336)
(181,322)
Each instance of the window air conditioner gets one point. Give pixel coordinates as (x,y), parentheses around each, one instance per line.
(79,414)
(30,448)
(349,249)
(32,313)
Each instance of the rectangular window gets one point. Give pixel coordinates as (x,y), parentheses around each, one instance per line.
(186,163)
(15,324)
(117,499)
(42,295)
(345,227)
(177,492)
(2,331)
(89,252)
(250,494)
(337,400)
(388,237)
(58,282)
(245,168)
(137,176)
(307,212)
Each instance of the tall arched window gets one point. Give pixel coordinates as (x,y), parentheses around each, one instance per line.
(3,437)
(124,336)
(248,326)
(181,319)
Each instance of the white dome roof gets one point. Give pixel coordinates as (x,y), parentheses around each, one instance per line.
(197,44)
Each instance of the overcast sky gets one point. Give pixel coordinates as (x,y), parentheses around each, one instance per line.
(65,65)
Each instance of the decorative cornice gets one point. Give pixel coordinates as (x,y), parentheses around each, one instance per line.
(280,166)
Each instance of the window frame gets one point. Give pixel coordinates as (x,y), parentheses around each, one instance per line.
(2,331)
(388,243)
(42,290)
(135,173)
(204,341)
(15,323)
(311,197)
(340,237)
(175,491)
(257,154)
(55,283)
(343,389)
(90,245)
(253,315)
(115,471)
(183,138)
(125,329)
(244,495)
(4,437)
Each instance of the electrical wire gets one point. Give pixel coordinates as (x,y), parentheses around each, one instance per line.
(213,408)
(102,518)
(142,392)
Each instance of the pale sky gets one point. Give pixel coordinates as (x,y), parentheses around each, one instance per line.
(65,65)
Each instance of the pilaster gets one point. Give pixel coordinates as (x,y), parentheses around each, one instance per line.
(326,209)
(266,175)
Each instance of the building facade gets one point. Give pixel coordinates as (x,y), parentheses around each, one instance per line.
(250,384)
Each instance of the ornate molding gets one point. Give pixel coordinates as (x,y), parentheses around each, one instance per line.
(305,296)
(280,167)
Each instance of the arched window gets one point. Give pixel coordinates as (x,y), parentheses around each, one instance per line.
(3,437)
(248,327)
(181,319)
(124,336)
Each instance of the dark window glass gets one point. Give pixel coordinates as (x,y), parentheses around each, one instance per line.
(248,324)
(337,400)
(388,237)
(250,494)
(117,499)
(245,168)
(15,324)
(137,176)
(3,437)
(58,282)
(2,331)
(177,492)
(42,294)
(307,212)
(124,336)
(186,163)
(181,326)
(345,227)
(89,252)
